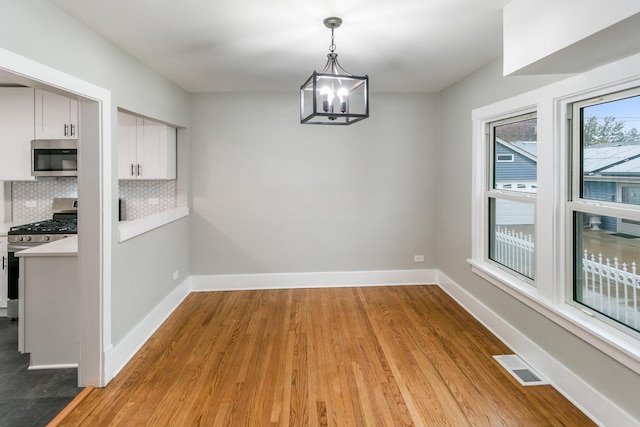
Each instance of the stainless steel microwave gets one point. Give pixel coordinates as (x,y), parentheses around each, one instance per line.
(54,157)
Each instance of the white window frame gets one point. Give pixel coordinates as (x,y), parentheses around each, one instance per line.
(550,297)
(578,204)
(506,193)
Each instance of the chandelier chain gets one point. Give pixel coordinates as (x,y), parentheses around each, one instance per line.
(332,46)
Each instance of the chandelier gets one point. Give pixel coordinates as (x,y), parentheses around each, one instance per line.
(333,96)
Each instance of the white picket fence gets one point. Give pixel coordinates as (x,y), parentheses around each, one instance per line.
(609,287)
(514,250)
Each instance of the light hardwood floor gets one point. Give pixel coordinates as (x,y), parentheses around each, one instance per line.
(374,356)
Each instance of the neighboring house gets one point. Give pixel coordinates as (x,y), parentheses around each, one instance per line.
(516,165)
(611,173)
(516,169)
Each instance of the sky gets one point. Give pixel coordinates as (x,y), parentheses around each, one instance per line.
(627,109)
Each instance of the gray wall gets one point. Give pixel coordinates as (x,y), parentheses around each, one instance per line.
(454,237)
(40,31)
(271,195)
(139,288)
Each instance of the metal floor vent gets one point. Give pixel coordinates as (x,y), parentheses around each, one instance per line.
(522,372)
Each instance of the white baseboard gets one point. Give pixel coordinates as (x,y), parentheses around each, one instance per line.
(312,280)
(116,357)
(600,409)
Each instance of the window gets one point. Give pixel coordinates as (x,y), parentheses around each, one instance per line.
(505,158)
(605,207)
(510,196)
(584,219)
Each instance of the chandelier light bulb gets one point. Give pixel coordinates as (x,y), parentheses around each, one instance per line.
(327,103)
(343,93)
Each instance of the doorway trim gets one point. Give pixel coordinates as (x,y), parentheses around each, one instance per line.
(94,216)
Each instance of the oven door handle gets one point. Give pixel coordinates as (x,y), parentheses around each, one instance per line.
(18,248)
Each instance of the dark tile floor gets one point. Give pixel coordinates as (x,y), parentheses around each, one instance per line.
(30,398)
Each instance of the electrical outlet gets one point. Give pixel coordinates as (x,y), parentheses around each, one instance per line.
(30,203)
(418,258)
(154,201)
(175,275)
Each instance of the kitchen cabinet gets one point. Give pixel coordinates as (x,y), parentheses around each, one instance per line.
(56,116)
(4,270)
(49,322)
(16,133)
(146,149)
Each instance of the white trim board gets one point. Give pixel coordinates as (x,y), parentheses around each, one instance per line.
(229,282)
(586,398)
(116,357)
(94,266)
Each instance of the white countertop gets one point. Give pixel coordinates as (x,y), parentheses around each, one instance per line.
(62,247)
(136,227)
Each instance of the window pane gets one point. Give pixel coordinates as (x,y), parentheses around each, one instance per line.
(610,151)
(514,153)
(511,241)
(606,276)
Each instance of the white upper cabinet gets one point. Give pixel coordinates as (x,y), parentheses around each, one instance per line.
(127,137)
(56,117)
(16,133)
(157,151)
(146,149)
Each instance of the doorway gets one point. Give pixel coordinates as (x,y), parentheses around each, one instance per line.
(94,193)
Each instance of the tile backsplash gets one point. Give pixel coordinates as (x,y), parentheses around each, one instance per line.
(31,200)
(143,198)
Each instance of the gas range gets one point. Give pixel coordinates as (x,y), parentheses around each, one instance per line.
(63,224)
(43,231)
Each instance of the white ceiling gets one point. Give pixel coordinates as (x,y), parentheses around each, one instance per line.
(274,45)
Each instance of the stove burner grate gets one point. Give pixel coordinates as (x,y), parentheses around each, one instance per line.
(51,226)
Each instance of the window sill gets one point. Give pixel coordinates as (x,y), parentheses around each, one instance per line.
(616,344)
(130,229)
